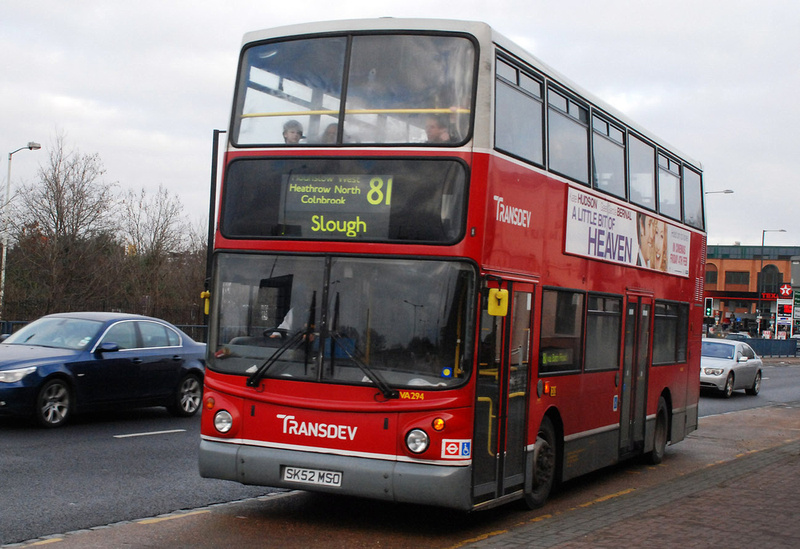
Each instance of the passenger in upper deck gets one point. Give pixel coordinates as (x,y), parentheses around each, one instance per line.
(437,129)
(292,132)
(329,135)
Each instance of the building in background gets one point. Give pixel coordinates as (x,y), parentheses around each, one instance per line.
(748,284)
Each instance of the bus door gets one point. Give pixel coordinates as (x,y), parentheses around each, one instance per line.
(502,397)
(633,393)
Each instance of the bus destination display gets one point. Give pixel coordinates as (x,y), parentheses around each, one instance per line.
(336,206)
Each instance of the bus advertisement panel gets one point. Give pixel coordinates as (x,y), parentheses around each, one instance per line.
(601,229)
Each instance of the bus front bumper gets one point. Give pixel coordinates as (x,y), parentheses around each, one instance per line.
(441,486)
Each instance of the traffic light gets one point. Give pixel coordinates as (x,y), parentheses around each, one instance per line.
(709,306)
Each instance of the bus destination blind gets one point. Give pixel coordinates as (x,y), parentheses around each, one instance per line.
(337,206)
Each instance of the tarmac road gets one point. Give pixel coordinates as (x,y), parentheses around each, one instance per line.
(736,466)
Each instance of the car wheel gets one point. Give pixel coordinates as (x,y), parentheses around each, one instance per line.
(188,396)
(53,403)
(756,385)
(544,465)
(727,391)
(661,434)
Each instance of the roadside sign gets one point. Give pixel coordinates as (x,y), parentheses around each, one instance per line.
(784,313)
(797,306)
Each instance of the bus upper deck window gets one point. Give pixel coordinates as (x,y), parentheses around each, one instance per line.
(399,84)
(280,82)
(292,92)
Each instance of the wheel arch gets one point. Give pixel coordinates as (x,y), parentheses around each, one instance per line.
(73,388)
(666,394)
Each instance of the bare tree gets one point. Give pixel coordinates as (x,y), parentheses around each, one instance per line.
(77,245)
(187,276)
(64,224)
(154,226)
(69,200)
(156,235)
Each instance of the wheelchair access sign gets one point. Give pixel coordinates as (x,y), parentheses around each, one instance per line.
(456,448)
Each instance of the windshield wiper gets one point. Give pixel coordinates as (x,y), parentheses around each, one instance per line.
(372,375)
(299,336)
(261,371)
(380,383)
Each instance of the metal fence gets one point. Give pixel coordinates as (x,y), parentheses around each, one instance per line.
(774,347)
(11,326)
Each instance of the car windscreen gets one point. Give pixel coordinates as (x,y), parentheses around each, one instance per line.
(717,350)
(57,332)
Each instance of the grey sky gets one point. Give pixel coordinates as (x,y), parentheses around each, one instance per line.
(143,84)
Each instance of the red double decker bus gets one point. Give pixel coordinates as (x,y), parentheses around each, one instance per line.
(443,273)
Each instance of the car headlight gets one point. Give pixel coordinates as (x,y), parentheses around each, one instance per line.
(223,421)
(12,376)
(713,371)
(417,440)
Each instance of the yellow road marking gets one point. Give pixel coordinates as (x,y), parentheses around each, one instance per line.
(606,498)
(162,519)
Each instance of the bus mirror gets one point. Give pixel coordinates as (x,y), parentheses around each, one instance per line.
(498,302)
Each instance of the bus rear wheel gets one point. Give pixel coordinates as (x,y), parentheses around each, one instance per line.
(543,472)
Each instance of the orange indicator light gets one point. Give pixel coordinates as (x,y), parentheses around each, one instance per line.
(210,402)
(438,424)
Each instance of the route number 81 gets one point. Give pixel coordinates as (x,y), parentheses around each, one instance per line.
(377,195)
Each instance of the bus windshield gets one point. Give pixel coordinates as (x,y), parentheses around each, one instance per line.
(373,89)
(344,320)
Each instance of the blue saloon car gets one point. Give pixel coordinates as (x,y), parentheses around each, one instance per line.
(69,363)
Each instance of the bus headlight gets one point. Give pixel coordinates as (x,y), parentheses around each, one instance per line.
(417,441)
(223,421)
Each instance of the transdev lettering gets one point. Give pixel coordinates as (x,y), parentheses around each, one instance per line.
(512,215)
(318,430)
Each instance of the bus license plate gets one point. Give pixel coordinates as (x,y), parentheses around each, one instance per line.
(312,476)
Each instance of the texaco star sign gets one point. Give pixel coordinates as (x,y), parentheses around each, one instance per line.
(786,290)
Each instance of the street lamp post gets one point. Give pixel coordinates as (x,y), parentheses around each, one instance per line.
(32,146)
(760,285)
(415,314)
(724,191)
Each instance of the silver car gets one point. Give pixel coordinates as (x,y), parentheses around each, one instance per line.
(727,365)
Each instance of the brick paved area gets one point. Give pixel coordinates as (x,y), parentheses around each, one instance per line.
(752,501)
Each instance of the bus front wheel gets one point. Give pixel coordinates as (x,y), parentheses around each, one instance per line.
(543,471)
